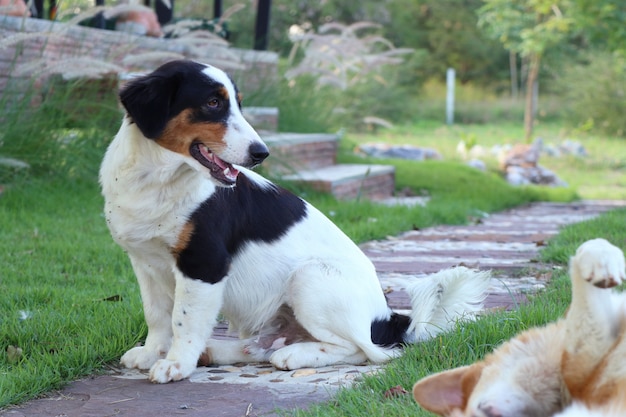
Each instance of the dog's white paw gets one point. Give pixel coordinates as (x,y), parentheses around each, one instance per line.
(166,370)
(600,263)
(282,359)
(292,357)
(259,352)
(140,357)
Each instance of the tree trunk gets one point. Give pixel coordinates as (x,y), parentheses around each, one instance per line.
(529,116)
(514,77)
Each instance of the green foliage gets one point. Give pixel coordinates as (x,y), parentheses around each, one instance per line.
(306,107)
(528,27)
(65,133)
(448,34)
(594,93)
(444,32)
(458,192)
(602,23)
(609,226)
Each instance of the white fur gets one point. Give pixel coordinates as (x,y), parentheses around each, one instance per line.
(315,269)
(580,359)
(447,296)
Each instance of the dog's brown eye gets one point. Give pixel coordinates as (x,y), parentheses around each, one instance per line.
(213,103)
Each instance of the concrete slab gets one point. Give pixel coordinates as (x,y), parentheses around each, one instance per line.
(340,173)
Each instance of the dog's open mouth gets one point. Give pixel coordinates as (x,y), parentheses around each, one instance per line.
(219,169)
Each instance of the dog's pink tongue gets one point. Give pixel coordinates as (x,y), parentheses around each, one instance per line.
(229,171)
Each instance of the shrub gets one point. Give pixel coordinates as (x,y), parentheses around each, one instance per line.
(355,70)
(60,129)
(476,104)
(595,93)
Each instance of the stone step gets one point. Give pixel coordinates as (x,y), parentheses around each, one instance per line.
(311,158)
(262,118)
(292,152)
(349,181)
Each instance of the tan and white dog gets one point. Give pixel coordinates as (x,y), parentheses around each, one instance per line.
(575,367)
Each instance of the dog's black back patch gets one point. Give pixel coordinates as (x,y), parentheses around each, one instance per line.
(231,217)
(390,332)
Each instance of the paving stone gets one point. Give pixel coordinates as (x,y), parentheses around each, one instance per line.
(506,243)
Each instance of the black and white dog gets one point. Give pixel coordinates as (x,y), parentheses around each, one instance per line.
(206,235)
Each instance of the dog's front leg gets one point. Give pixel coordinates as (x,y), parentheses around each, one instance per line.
(156,283)
(196,306)
(592,321)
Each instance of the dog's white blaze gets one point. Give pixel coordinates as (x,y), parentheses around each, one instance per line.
(239,134)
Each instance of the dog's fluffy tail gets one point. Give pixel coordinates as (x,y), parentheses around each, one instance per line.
(442,299)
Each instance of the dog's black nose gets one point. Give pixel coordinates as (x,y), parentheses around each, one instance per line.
(258,152)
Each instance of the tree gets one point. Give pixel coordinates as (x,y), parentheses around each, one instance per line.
(530,28)
(602,23)
(447,30)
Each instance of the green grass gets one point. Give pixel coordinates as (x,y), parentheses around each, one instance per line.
(60,267)
(458,194)
(71,303)
(69,300)
(469,342)
(600,175)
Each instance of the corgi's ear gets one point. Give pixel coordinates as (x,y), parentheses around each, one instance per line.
(443,392)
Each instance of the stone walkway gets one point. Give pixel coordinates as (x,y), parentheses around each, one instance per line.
(506,243)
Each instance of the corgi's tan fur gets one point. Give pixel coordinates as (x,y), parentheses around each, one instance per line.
(572,368)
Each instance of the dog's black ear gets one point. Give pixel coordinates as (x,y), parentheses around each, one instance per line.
(148,99)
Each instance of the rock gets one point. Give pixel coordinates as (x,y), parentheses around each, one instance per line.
(533,175)
(381,150)
(521,167)
(571,147)
(478,164)
(521,155)
(566,147)
(13,163)
(303,372)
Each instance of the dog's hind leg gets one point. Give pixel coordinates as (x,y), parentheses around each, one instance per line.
(315,355)
(225,352)
(336,304)
(593,319)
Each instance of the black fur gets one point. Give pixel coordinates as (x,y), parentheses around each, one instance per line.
(391,332)
(154,99)
(232,217)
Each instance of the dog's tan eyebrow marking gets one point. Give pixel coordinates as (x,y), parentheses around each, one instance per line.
(223,91)
(239,97)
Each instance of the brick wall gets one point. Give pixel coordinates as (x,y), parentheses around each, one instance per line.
(49,43)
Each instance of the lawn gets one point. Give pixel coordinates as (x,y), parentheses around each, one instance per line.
(71,302)
(600,175)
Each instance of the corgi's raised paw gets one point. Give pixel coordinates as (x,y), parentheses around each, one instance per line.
(600,263)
